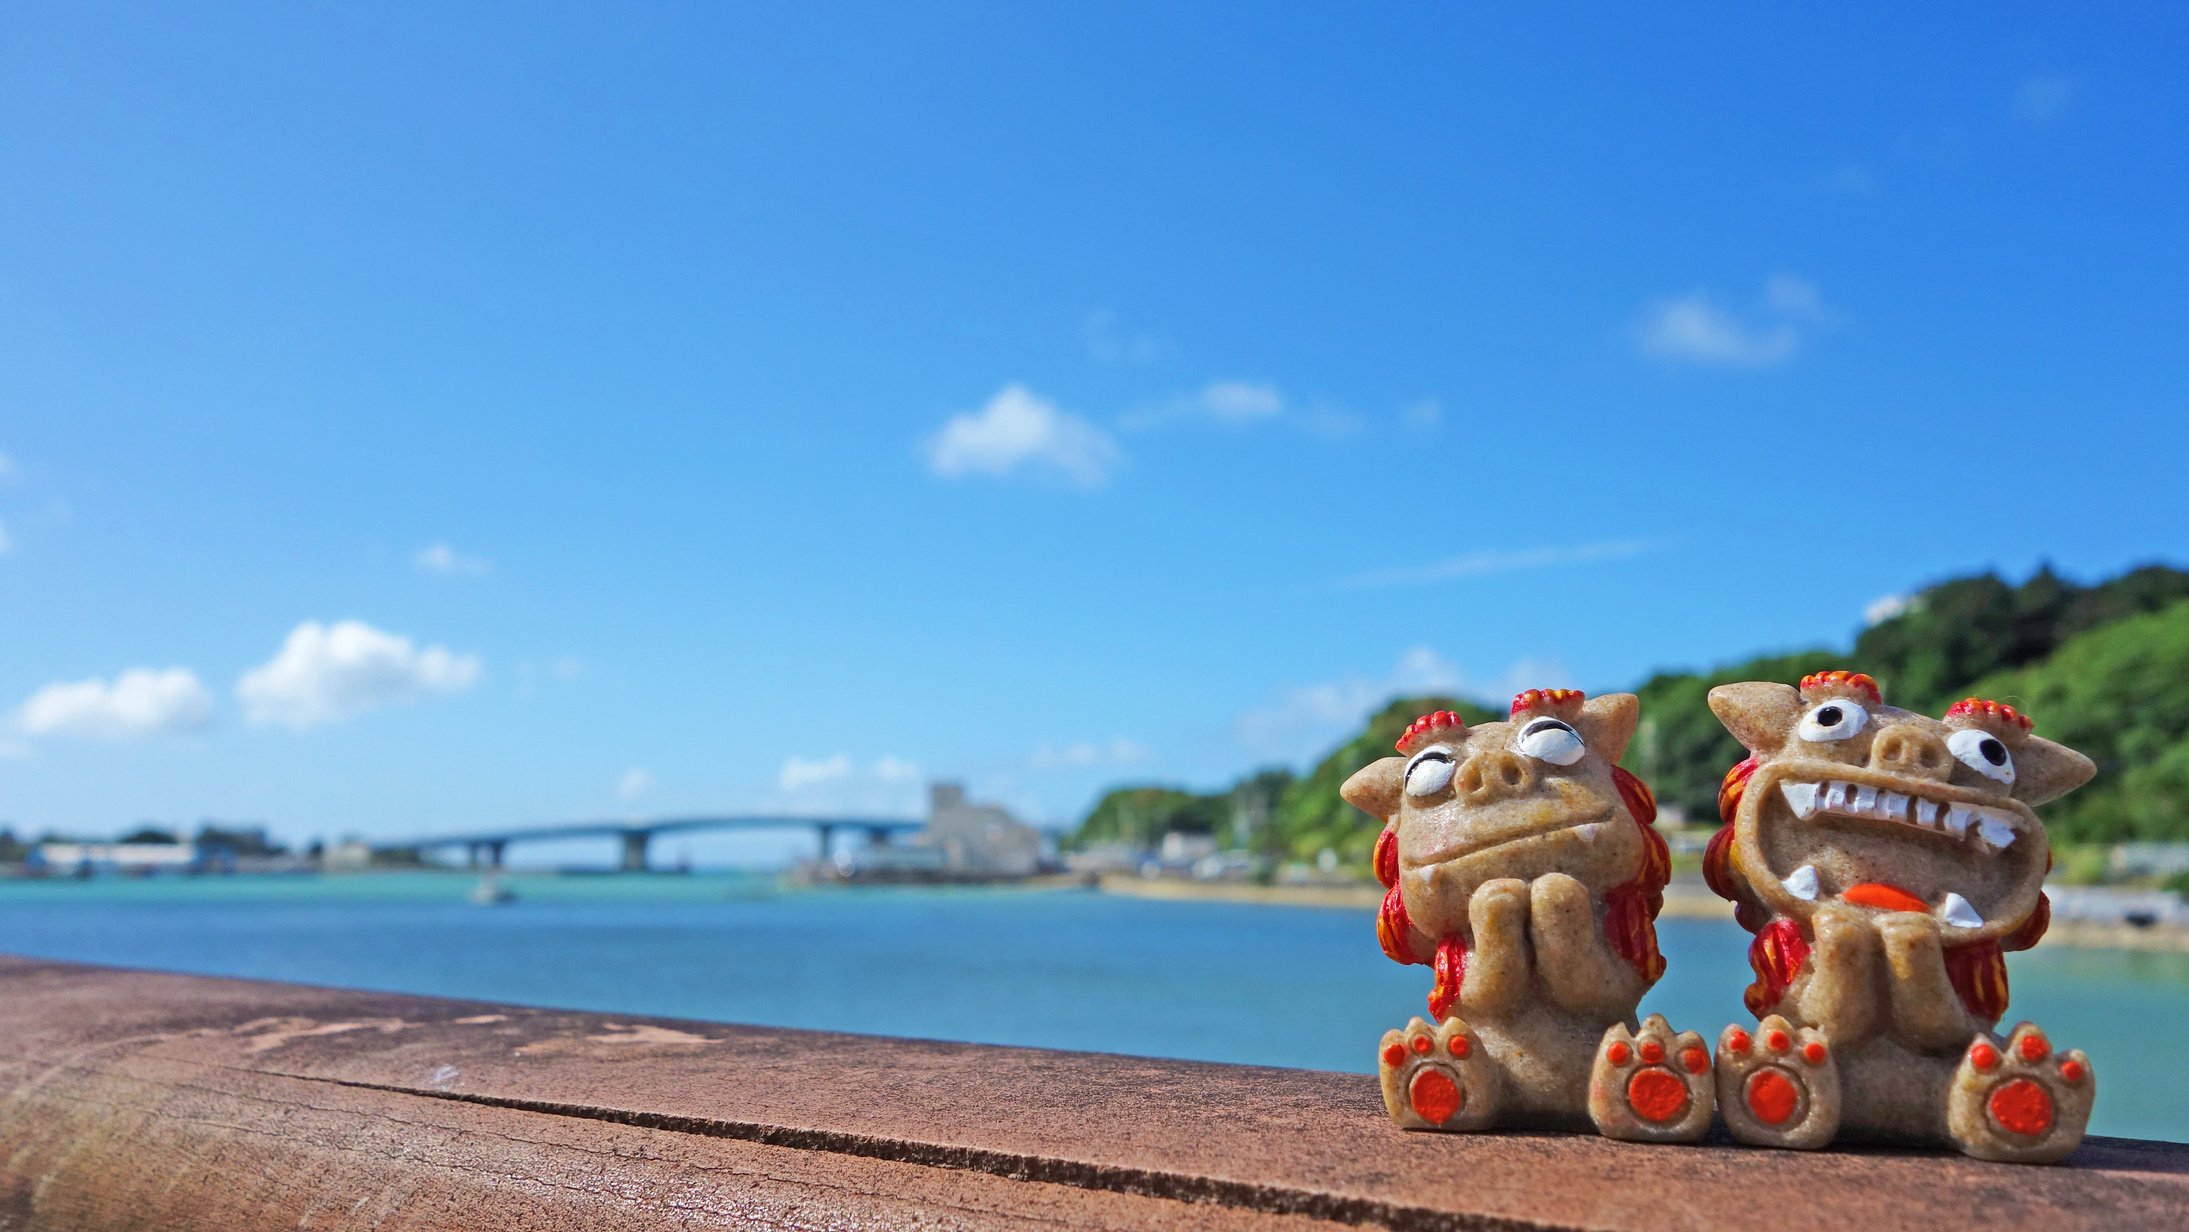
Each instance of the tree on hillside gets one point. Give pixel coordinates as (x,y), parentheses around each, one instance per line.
(2119,693)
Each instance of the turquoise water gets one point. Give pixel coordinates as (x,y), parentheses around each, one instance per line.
(1295,986)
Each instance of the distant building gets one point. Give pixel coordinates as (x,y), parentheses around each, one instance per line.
(963,841)
(983,839)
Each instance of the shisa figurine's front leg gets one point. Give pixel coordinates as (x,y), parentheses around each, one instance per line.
(1840,996)
(1927,1012)
(1579,969)
(1497,973)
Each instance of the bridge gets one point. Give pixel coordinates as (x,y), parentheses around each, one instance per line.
(485,848)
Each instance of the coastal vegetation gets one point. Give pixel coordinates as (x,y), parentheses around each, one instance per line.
(2103,668)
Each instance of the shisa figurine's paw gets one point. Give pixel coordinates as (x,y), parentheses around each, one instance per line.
(1778,1087)
(2019,1102)
(1437,1077)
(1651,1085)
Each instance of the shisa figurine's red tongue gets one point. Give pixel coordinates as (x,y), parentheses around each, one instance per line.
(1883,897)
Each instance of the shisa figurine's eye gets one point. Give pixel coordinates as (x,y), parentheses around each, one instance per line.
(1834,720)
(1552,741)
(1429,772)
(1984,753)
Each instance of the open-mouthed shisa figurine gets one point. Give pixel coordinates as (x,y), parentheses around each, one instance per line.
(1885,861)
(1523,869)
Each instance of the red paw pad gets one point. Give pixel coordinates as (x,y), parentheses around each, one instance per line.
(1619,1052)
(1393,1054)
(1657,1095)
(1738,1040)
(1436,1098)
(2021,1107)
(1777,1041)
(1458,1046)
(2073,1071)
(1695,1059)
(1983,1056)
(1813,1052)
(2035,1047)
(1653,1052)
(1772,1096)
(1421,1044)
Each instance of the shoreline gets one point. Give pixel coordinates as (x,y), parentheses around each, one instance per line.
(1684,900)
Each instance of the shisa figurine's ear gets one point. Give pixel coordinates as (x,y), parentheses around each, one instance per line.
(2046,770)
(1759,713)
(1607,723)
(1374,788)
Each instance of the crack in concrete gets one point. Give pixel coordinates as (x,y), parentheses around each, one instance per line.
(1079,1174)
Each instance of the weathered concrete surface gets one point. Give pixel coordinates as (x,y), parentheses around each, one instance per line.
(130,1099)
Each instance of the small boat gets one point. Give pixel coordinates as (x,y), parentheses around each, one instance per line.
(491,893)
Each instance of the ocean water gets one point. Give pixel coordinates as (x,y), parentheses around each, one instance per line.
(1270,985)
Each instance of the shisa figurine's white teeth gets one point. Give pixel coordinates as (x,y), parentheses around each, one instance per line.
(1957,912)
(1993,827)
(1802,797)
(1591,830)
(1802,883)
(1958,817)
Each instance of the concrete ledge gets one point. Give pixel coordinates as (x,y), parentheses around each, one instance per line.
(138,1099)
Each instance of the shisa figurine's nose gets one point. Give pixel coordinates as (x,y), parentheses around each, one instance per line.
(1494,775)
(1907,749)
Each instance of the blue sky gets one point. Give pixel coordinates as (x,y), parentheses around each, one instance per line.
(421,418)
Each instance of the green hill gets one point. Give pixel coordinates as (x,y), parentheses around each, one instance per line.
(2103,668)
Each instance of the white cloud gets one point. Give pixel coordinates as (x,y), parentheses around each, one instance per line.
(1106,342)
(142,701)
(888,785)
(1795,298)
(1478,564)
(325,673)
(635,782)
(1241,401)
(1694,328)
(1878,611)
(1021,430)
(1229,401)
(2041,97)
(1088,754)
(1422,413)
(439,557)
(1305,721)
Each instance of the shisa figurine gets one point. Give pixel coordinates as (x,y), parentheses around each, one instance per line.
(1522,868)
(1885,862)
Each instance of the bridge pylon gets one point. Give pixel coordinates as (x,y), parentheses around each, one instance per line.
(634,850)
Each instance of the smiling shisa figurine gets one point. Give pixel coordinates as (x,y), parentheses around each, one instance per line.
(1885,861)
(1523,869)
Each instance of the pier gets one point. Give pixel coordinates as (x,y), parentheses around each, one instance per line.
(139,1099)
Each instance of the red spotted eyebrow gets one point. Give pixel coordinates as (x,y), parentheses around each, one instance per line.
(1434,721)
(1856,682)
(1983,708)
(1557,701)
